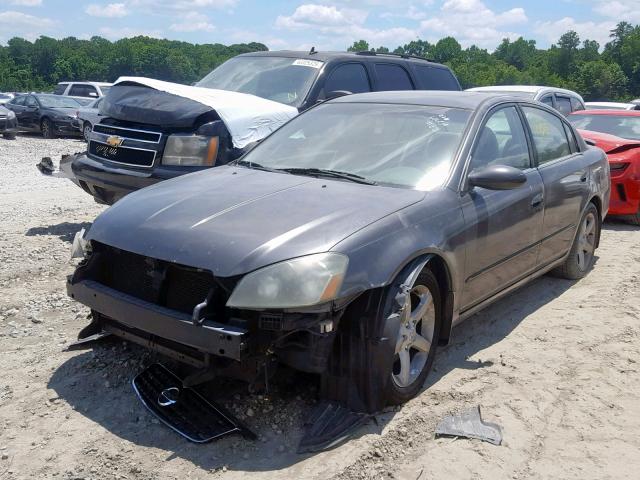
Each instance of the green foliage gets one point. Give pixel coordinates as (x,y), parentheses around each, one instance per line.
(39,65)
(613,74)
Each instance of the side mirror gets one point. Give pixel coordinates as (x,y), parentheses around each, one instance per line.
(497,177)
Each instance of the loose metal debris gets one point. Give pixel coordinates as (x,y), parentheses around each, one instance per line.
(469,424)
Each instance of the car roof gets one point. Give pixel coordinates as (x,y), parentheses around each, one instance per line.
(617,112)
(327,55)
(445,98)
(531,89)
(99,84)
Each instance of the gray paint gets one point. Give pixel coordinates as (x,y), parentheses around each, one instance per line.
(232,220)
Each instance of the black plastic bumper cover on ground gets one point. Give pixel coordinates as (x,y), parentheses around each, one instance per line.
(183,409)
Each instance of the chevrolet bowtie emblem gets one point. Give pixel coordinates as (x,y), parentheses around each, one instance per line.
(114,141)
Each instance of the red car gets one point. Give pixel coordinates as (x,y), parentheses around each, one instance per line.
(617,132)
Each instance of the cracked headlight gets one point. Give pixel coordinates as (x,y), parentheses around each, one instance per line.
(300,282)
(190,150)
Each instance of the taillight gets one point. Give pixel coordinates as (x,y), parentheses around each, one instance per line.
(618,167)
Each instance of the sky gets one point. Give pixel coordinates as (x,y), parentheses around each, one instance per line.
(326,25)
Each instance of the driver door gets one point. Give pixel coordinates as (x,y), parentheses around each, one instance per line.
(503,227)
(30,114)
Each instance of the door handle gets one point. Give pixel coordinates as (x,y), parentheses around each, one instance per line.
(537,201)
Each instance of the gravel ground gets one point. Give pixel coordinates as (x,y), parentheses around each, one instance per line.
(555,365)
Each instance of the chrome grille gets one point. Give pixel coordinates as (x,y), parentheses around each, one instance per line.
(125,146)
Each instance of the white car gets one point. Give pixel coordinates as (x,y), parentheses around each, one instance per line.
(5,97)
(87,117)
(611,106)
(83,91)
(565,101)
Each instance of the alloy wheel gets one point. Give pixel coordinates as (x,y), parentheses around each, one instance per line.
(586,241)
(86,132)
(415,336)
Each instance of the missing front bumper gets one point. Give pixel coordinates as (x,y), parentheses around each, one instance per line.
(134,314)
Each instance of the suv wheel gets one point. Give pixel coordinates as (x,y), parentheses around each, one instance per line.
(416,339)
(582,254)
(46,127)
(86,131)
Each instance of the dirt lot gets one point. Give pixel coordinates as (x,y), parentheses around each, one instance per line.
(556,365)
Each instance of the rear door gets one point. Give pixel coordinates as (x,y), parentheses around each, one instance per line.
(504,227)
(565,178)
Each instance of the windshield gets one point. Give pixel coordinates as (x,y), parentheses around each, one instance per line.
(104,89)
(284,80)
(624,126)
(57,101)
(396,145)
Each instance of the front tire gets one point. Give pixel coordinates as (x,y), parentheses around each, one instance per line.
(86,131)
(416,339)
(46,127)
(9,136)
(581,256)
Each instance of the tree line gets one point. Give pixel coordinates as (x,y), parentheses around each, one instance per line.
(39,65)
(610,73)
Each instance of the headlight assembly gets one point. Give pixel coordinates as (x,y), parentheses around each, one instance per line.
(190,150)
(299,282)
(11,115)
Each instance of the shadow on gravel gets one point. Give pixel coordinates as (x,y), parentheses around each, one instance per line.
(618,225)
(38,136)
(493,324)
(81,382)
(64,231)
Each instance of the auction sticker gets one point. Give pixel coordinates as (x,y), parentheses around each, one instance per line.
(308,63)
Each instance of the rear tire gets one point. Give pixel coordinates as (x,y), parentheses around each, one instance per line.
(46,127)
(416,339)
(86,131)
(581,256)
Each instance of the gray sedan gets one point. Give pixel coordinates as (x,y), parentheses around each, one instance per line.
(350,241)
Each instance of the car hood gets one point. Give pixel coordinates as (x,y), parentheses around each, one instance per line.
(232,220)
(609,143)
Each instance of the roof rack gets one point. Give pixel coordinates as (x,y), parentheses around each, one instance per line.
(400,55)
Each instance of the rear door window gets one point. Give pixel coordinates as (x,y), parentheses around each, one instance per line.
(60,89)
(392,77)
(548,100)
(549,135)
(576,105)
(563,104)
(434,78)
(351,77)
(83,91)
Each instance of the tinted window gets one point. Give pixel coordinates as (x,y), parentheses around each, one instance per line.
(433,78)
(392,77)
(549,137)
(351,77)
(502,141)
(576,105)
(572,139)
(18,101)
(60,88)
(563,104)
(83,91)
(547,100)
(31,102)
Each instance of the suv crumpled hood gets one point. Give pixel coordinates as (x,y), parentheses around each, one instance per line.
(232,220)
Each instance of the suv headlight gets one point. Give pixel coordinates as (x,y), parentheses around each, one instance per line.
(300,282)
(190,150)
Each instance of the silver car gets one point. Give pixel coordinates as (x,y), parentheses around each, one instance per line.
(87,117)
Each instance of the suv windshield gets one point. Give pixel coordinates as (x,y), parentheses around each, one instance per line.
(619,125)
(284,80)
(397,145)
(55,101)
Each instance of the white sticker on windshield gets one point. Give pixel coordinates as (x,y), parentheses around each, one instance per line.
(308,63)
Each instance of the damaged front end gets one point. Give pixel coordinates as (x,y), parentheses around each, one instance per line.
(181,312)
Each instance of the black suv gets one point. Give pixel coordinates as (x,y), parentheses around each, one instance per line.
(136,144)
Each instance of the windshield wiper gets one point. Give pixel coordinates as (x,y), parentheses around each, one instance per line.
(321,172)
(254,165)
